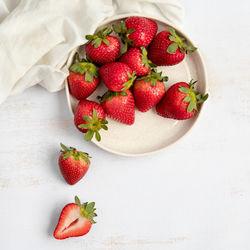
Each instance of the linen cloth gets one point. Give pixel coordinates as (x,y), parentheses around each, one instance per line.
(37,36)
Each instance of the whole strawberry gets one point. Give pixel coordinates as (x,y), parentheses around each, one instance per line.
(73,164)
(75,220)
(181,101)
(90,118)
(119,106)
(117,76)
(136,59)
(83,78)
(168,48)
(149,90)
(136,31)
(102,48)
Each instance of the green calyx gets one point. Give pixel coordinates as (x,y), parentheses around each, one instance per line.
(178,42)
(154,77)
(193,97)
(110,94)
(145,59)
(130,81)
(100,37)
(123,33)
(73,152)
(93,125)
(84,66)
(87,210)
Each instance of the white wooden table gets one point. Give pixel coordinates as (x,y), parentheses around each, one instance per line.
(192,196)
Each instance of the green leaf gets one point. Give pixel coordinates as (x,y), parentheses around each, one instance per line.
(172,48)
(90,207)
(67,155)
(94,115)
(89,135)
(187,99)
(130,31)
(97,136)
(104,127)
(190,107)
(89,37)
(83,126)
(172,38)
(77,68)
(91,220)
(191,48)
(124,48)
(97,42)
(64,147)
(184,90)
(116,28)
(106,42)
(88,76)
(123,26)
(77,201)
(86,118)
(172,31)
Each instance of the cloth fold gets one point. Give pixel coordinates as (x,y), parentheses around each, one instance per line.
(37,36)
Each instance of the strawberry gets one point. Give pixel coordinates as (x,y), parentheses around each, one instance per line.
(168,48)
(89,119)
(117,76)
(102,48)
(73,164)
(137,60)
(119,106)
(75,220)
(149,90)
(83,78)
(136,31)
(181,101)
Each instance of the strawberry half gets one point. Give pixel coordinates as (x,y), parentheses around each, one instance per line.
(117,76)
(136,31)
(119,105)
(75,220)
(149,90)
(83,78)
(73,164)
(136,59)
(181,101)
(102,48)
(168,48)
(90,118)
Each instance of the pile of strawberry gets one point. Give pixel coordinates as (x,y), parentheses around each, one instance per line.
(130,76)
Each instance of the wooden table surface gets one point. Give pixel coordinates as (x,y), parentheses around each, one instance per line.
(192,196)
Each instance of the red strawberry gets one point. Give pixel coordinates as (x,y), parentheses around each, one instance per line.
(137,60)
(168,48)
(119,106)
(149,90)
(136,31)
(181,101)
(83,78)
(89,119)
(117,76)
(102,48)
(75,220)
(73,164)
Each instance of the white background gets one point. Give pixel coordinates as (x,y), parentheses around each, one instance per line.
(193,196)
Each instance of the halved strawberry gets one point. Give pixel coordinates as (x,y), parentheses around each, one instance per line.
(75,219)
(83,78)
(90,118)
(168,48)
(119,106)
